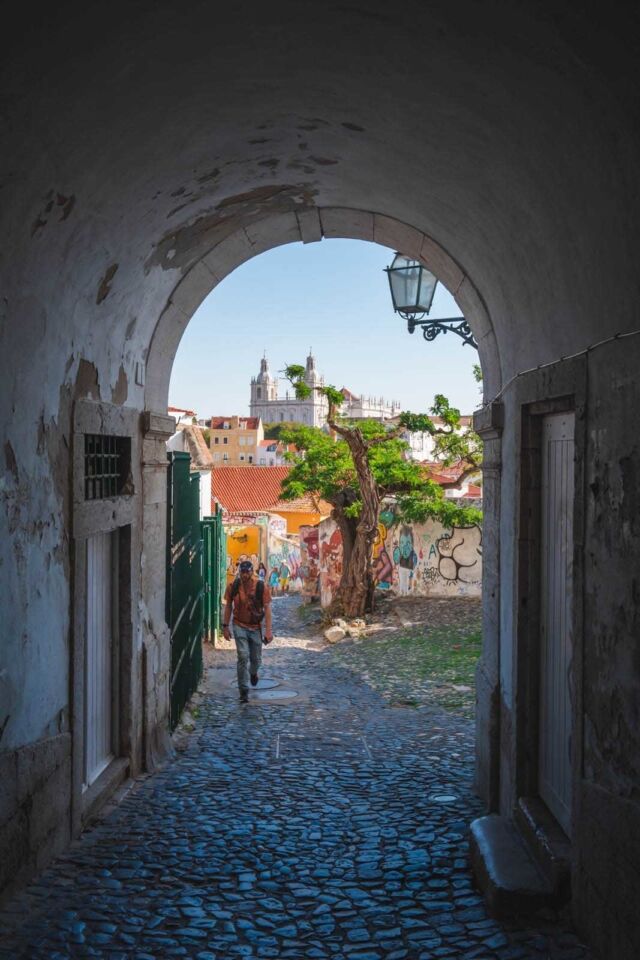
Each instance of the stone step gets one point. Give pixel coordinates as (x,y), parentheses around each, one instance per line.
(506,873)
(547,842)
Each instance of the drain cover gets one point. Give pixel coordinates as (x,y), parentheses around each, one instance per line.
(274,694)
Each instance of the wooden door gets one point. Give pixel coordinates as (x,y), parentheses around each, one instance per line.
(556,596)
(100,647)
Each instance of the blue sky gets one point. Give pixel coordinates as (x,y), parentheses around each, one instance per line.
(334,297)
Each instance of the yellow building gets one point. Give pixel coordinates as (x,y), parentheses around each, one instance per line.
(235,441)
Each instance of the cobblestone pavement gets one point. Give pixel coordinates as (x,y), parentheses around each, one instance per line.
(328,826)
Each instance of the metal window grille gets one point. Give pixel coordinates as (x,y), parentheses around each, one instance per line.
(107,465)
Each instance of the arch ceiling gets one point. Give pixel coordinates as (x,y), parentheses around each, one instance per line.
(139,146)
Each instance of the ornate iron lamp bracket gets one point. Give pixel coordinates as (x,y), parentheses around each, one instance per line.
(433,328)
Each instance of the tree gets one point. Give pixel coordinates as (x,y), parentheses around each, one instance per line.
(360,463)
(273,431)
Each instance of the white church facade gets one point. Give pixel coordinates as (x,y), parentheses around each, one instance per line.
(266,404)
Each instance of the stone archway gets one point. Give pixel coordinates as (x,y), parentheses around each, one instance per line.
(309,225)
(147,158)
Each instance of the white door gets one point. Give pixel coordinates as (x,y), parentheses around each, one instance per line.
(99,673)
(554,767)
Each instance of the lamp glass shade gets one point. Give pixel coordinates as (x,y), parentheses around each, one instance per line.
(412,285)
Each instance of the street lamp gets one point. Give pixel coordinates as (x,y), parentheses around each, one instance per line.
(412,288)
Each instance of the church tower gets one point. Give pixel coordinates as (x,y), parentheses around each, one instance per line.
(316,405)
(264,389)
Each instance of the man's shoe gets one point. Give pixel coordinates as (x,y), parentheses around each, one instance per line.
(244,696)
(254,679)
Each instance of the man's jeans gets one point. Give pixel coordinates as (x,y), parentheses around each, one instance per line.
(249,650)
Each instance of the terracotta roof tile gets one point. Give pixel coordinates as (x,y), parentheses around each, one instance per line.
(251,489)
(188,413)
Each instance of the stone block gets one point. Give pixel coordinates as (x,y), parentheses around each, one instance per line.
(504,870)
(155,486)
(350,224)
(397,236)
(273,232)
(37,763)
(157,426)
(440,263)
(228,254)
(50,805)
(309,225)
(193,288)
(334,634)
(488,422)
(473,308)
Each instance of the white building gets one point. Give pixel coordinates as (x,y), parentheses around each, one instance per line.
(266,403)
(422,444)
(359,407)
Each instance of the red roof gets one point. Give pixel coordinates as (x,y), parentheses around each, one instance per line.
(255,489)
(189,413)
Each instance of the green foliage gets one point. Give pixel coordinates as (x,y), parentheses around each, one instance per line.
(206,433)
(477,372)
(417,508)
(334,396)
(294,373)
(273,431)
(324,466)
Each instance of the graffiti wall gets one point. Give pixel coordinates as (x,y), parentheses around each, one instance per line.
(330,552)
(310,561)
(259,538)
(284,573)
(420,559)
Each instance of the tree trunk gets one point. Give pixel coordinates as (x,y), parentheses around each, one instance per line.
(357,575)
(347,526)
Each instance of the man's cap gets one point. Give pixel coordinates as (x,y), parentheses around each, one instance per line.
(246,566)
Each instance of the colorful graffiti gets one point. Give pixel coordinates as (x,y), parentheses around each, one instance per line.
(419,559)
(283,563)
(405,559)
(310,561)
(330,550)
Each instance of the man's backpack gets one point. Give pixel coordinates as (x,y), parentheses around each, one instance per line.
(256,604)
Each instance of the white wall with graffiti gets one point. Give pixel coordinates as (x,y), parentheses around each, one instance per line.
(410,559)
(283,563)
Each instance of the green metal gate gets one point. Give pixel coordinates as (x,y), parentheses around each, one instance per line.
(185,585)
(215,573)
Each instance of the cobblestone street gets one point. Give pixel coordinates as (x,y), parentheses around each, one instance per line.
(329,824)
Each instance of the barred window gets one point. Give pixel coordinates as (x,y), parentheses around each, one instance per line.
(107,466)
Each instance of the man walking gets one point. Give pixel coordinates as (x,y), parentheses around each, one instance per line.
(248,601)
